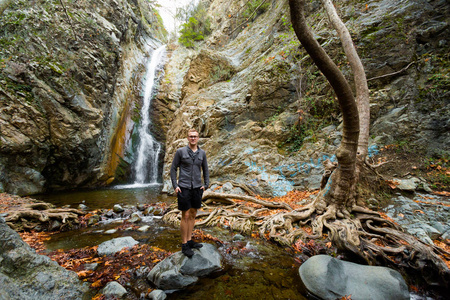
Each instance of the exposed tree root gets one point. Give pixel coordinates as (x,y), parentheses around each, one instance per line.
(358,230)
(31,215)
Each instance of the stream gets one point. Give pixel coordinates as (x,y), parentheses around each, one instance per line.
(259,269)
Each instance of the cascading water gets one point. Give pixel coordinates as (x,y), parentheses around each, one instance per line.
(146,166)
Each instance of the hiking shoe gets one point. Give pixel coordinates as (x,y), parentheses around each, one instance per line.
(194,245)
(186,250)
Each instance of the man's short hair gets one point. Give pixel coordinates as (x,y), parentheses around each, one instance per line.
(192,130)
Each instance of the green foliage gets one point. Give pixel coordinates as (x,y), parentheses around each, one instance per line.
(220,73)
(306,128)
(253,5)
(402,146)
(196,26)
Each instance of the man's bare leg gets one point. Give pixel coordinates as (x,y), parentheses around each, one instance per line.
(184,226)
(191,222)
(185,233)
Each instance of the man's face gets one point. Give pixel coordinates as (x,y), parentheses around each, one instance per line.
(193,138)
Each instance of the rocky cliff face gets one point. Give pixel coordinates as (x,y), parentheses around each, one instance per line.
(70,79)
(266,116)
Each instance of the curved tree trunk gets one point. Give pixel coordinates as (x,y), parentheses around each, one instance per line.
(339,189)
(362,90)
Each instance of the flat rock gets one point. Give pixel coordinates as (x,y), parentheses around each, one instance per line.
(115,245)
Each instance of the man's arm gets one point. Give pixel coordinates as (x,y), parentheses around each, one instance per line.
(174,169)
(205,172)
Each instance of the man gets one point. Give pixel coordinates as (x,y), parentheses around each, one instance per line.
(191,161)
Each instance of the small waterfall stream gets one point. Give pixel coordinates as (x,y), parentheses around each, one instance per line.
(146,167)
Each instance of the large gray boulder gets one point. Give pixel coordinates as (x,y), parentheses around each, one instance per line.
(329,278)
(178,271)
(115,245)
(26,275)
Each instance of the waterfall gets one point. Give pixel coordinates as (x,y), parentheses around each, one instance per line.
(146,166)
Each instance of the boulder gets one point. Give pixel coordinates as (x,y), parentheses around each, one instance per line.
(115,245)
(113,288)
(118,209)
(135,217)
(157,295)
(330,278)
(178,271)
(26,275)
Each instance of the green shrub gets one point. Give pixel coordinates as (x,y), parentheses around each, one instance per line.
(255,4)
(197,25)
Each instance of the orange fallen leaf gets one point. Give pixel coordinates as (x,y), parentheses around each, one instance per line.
(97,284)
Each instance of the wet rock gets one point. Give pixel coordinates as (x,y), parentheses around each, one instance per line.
(144,228)
(115,245)
(93,220)
(158,211)
(29,276)
(157,295)
(127,212)
(92,266)
(56,225)
(118,209)
(111,231)
(330,278)
(178,271)
(82,206)
(134,218)
(140,207)
(149,210)
(114,289)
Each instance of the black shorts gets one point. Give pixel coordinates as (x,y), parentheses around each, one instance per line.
(189,198)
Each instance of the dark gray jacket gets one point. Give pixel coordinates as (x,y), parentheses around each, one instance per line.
(190,175)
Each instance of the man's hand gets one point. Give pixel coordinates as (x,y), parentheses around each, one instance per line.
(177,190)
(202,188)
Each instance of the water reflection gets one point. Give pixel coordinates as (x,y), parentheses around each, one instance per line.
(106,198)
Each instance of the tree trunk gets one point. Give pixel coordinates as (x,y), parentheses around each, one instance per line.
(339,189)
(359,75)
